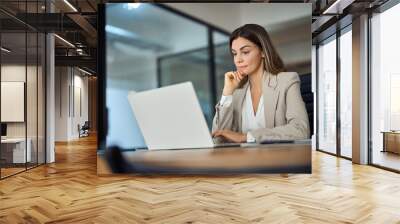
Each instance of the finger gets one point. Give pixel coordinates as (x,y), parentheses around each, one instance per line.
(216,133)
(237,76)
(231,75)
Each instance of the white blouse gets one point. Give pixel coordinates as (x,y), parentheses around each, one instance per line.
(250,121)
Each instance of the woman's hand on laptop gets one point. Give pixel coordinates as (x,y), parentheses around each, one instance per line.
(230,135)
(232,80)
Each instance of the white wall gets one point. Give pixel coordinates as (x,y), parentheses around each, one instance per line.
(33,126)
(79,118)
(67,114)
(12,73)
(61,103)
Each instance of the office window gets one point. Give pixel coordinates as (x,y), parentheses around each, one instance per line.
(346,92)
(223,60)
(327,95)
(385,88)
(190,65)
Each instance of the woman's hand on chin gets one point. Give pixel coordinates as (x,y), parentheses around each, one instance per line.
(232,81)
(231,135)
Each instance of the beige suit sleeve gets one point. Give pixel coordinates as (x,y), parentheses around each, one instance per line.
(223,117)
(297,126)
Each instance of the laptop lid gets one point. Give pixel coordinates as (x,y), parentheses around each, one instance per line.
(171,117)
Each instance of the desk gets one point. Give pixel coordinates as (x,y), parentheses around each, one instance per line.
(391,141)
(275,158)
(15,148)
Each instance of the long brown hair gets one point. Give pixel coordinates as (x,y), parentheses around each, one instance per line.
(259,36)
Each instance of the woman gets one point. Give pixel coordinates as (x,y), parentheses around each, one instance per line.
(260,101)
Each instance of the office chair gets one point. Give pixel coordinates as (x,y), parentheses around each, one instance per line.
(84,130)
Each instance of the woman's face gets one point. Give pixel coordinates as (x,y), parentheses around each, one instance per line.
(246,55)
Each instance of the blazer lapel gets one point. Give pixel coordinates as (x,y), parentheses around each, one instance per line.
(271,95)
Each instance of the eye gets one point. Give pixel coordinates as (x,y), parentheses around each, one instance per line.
(245,52)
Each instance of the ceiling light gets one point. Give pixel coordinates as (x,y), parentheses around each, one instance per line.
(120,31)
(131,6)
(338,6)
(5,50)
(84,71)
(70,5)
(65,41)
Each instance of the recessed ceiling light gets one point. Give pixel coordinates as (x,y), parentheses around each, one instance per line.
(131,6)
(5,50)
(65,41)
(84,71)
(70,5)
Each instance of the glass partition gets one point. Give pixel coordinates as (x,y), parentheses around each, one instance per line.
(346,92)
(223,60)
(327,95)
(385,89)
(14,153)
(41,107)
(190,66)
(31,99)
(22,90)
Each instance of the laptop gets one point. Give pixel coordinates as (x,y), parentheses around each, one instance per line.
(171,118)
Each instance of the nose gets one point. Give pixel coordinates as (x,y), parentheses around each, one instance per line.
(238,59)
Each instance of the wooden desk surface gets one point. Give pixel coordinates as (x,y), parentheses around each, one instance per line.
(275,158)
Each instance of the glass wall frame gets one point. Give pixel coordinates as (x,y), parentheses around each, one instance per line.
(215,57)
(23,55)
(339,75)
(327,99)
(383,84)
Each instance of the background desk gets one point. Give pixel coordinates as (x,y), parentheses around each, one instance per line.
(13,150)
(275,158)
(391,141)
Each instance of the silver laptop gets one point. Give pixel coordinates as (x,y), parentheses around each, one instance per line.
(171,118)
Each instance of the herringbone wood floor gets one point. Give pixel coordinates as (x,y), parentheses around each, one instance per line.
(69,191)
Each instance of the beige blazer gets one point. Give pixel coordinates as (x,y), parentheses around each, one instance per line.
(285,112)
